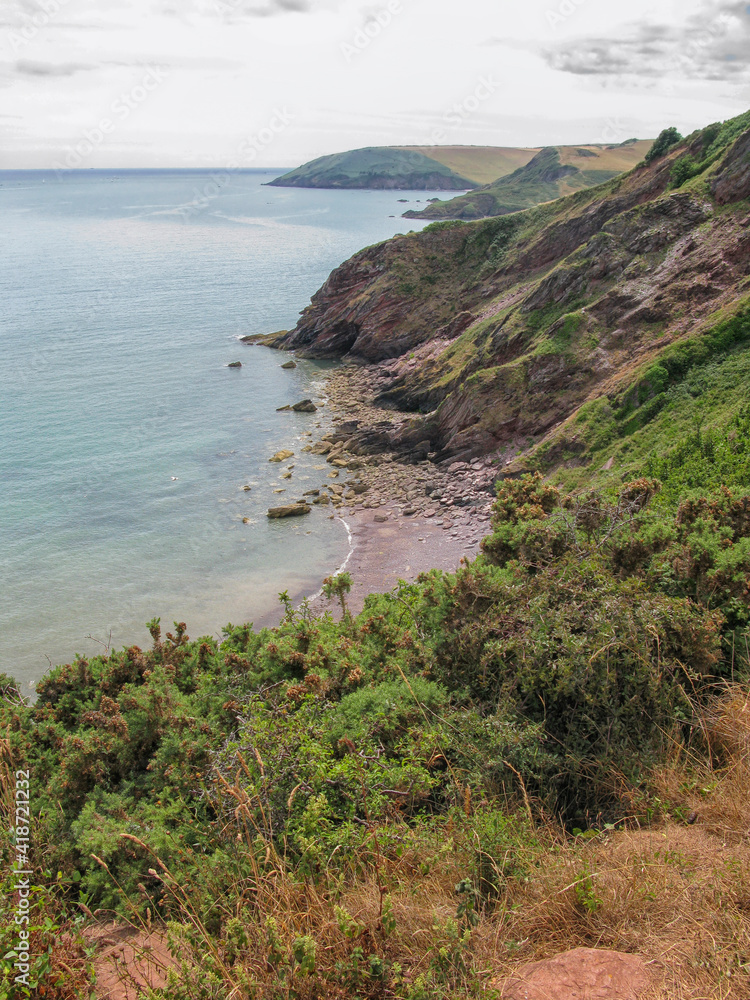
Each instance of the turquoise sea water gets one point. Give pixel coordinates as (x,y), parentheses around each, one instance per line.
(125,441)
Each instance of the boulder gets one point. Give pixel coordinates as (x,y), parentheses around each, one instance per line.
(289,364)
(281,456)
(593,973)
(305,406)
(321,448)
(234,364)
(290,510)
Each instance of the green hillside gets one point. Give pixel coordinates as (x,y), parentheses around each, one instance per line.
(553,173)
(375,167)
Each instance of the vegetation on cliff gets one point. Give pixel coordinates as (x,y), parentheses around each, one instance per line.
(376,167)
(514,324)
(252,791)
(412,801)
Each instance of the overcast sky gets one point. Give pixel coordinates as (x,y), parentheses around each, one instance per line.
(276,82)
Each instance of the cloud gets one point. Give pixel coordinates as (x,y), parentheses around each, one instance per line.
(27,67)
(266,8)
(712,45)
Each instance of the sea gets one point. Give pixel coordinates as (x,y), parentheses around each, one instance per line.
(126,441)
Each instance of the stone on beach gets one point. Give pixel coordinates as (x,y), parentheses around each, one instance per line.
(290,510)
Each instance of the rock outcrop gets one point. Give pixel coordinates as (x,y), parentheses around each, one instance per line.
(592,973)
(491,335)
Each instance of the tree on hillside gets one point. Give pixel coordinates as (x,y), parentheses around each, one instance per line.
(668,138)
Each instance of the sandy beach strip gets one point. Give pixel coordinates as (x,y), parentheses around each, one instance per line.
(410,518)
(383,553)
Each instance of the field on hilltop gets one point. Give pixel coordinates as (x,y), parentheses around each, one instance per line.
(552,173)
(481,164)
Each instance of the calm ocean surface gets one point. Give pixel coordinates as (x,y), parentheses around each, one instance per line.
(125,441)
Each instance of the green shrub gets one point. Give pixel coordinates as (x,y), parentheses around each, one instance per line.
(668,138)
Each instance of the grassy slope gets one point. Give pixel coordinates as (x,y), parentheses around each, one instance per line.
(481,164)
(616,158)
(374,167)
(553,173)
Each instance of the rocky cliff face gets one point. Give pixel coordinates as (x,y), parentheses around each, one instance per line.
(494,333)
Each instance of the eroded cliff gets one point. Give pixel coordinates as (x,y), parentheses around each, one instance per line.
(494,333)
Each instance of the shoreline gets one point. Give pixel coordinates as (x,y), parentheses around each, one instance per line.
(402,519)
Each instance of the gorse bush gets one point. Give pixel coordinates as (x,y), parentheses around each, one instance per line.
(550,674)
(564,655)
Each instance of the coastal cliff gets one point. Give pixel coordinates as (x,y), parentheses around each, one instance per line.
(530,772)
(495,333)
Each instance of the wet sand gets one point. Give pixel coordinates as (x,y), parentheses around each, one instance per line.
(400,549)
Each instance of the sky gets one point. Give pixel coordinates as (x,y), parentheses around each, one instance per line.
(274,83)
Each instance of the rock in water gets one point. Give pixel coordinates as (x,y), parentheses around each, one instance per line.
(582,972)
(305,406)
(234,364)
(290,510)
(289,364)
(281,456)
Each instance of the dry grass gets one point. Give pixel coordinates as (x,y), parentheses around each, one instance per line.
(618,158)
(676,893)
(481,164)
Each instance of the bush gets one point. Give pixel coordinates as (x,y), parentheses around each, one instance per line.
(665,141)
(683,169)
